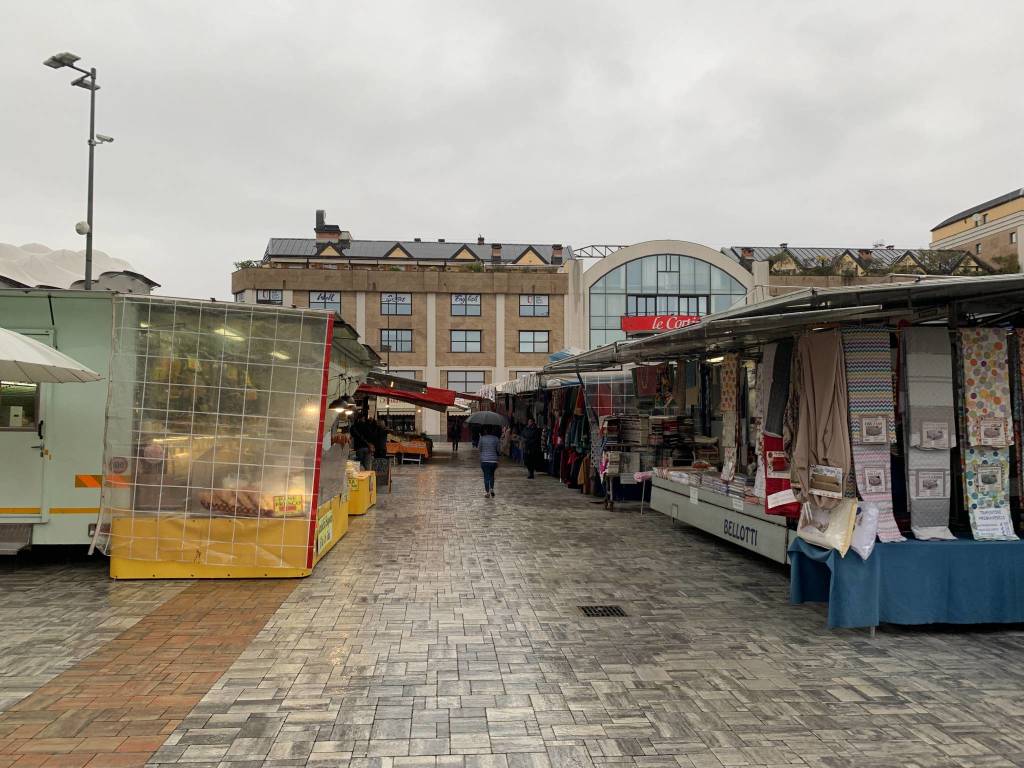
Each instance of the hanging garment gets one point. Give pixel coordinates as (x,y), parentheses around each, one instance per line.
(1017,379)
(929,424)
(821,446)
(729,391)
(872,420)
(988,423)
(779,498)
(763,384)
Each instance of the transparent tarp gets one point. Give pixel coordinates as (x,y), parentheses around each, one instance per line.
(211,442)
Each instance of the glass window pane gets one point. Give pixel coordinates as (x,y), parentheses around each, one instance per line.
(18,405)
(650,274)
(701,276)
(668,282)
(633,276)
(686,276)
(720,281)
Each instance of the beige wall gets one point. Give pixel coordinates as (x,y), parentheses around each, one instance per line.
(485,323)
(416,322)
(554,324)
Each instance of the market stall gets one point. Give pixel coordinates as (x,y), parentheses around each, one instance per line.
(219,454)
(826,420)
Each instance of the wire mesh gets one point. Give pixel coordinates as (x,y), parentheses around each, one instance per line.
(212,432)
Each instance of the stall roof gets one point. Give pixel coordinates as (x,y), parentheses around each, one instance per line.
(432,397)
(979,299)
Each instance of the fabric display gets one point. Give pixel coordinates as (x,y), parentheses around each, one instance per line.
(764,384)
(729,372)
(988,428)
(821,443)
(872,421)
(930,433)
(1017,378)
(779,499)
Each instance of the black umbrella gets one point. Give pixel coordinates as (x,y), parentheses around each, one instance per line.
(487,419)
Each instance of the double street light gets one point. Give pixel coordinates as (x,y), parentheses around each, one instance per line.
(88,82)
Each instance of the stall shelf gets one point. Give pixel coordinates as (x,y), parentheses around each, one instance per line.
(724,516)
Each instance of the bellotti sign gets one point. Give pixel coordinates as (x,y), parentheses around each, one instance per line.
(656,323)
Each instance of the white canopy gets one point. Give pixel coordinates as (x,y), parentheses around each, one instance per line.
(25,359)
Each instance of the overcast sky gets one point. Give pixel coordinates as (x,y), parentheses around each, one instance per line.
(726,123)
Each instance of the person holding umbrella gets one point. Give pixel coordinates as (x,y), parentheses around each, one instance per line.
(489,445)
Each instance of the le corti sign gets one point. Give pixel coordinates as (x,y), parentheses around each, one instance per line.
(656,323)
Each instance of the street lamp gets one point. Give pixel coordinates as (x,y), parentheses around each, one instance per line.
(88,82)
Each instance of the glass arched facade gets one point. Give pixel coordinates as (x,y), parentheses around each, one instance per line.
(661,284)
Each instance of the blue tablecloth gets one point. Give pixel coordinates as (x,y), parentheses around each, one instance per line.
(913,582)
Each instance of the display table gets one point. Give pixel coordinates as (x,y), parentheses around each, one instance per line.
(403,448)
(362,492)
(728,518)
(913,582)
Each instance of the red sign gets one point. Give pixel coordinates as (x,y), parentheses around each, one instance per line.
(657,323)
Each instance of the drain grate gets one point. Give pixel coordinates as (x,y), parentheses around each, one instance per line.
(601,611)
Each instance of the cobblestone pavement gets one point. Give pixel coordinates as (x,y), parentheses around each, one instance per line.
(443,632)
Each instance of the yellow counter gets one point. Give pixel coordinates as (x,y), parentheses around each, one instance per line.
(223,548)
(362,492)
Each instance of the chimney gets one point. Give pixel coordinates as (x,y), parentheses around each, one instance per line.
(417,240)
(783,245)
(440,239)
(496,253)
(326,233)
(556,254)
(748,253)
(479,239)
(890,247)
(865,253)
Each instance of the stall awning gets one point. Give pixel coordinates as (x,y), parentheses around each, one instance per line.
(432,397)
(976,299)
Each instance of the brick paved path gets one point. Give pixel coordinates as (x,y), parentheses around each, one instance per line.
(443,631)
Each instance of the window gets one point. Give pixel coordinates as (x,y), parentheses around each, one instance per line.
(466,304)
(398,340)
(396,303)
(533,305)
(984,218)
(517,374)
(325,300)
(271,296)
(465,381)
(533,341)
(643,306)
(1013,237)
(465,341)
(405,374)
(977,247)
(239,297)
(19,404)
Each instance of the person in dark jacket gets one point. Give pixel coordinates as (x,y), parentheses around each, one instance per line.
(455,433)
(362,439)
(380,439)
(532,454)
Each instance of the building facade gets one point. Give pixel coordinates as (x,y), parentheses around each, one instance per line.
(464,314)
(991,232)
(453,314)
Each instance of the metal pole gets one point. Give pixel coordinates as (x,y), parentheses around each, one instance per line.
(92,150)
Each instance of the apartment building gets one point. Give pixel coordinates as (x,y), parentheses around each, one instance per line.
(454,314)
(991,231)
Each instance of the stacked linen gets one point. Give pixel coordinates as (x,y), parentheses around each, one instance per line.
(872,420)
(989,432)
(930,434)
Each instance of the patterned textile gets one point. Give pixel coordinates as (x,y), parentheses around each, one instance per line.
(870,401)
(929,383)
(729,380)
(779,499)
(987,414)
(1017,377)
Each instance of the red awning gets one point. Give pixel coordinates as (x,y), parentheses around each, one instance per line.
(435,397)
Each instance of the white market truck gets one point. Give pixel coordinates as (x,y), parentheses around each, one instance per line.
(51,435)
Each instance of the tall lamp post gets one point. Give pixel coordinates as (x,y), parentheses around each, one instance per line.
(88,82)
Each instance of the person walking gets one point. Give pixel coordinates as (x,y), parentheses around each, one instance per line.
(531,447)
(454,433)
(489,446)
